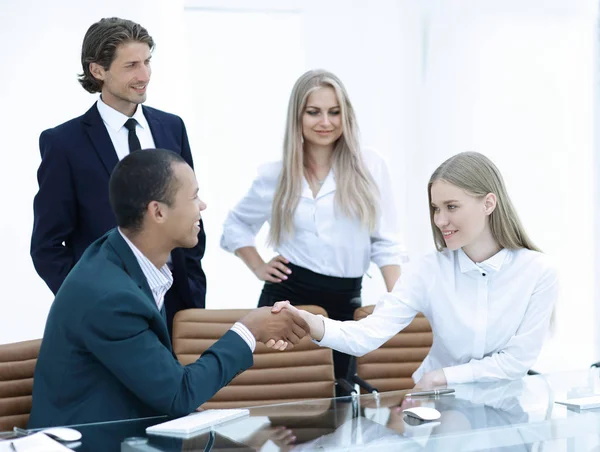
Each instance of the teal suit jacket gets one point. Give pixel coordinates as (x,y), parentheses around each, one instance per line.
(106,353)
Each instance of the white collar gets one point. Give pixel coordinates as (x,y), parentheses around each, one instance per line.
(492,264)
(116,120)
(157,278)
(327,187)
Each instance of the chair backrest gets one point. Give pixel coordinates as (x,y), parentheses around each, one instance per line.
(390,367)
(304,373)
(17,364)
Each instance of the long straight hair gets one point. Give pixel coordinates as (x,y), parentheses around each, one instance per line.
(477,175)
(356,193)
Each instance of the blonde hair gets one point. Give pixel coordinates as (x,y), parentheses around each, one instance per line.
(356,193)
(477,175)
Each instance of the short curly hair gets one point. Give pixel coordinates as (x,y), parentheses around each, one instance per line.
(100,46)
(142,177)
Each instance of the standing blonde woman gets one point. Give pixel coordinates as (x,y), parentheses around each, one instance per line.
(488,292)
(329,204)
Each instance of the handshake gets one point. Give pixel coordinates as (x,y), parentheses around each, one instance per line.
(279,327)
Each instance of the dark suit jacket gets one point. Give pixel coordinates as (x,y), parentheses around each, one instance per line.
(106,352)
(72,204)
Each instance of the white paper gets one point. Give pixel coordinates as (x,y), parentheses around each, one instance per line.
(37,442)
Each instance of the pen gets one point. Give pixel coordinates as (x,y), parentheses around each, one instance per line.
(433,392)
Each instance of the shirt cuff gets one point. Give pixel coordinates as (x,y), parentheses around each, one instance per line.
(331,332)
(381,260)
(462,373)
(234,240)
(245,334)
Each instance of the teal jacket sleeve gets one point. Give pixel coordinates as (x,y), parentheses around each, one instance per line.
(121,337)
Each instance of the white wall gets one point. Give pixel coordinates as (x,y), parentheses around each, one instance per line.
(517,84)
(428,79)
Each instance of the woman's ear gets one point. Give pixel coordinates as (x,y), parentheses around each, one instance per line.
(490,202)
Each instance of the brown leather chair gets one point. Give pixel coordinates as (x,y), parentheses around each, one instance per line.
(17,363)
(303,373)
(390,367)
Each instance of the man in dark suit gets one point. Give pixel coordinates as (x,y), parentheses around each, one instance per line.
(106,352)
(72,209)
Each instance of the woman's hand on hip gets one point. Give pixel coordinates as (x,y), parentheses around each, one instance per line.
(273,271)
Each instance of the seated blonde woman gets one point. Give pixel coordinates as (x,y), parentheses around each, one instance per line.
(488,292)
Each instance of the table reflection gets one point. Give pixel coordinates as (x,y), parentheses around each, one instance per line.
(509,416)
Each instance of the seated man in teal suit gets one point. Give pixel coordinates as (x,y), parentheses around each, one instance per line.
(106,353)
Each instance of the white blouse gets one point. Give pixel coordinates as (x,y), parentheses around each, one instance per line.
(323,242)
(489,320)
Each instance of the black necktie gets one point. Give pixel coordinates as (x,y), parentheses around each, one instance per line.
(134,142)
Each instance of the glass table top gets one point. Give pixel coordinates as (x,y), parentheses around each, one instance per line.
(506,416)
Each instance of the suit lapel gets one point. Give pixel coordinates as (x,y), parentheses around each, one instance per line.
(100,139)
(130,263)
(135,272)
(157,129)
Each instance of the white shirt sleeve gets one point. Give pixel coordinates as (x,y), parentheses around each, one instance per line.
(245,220)
(393,312)
(522,350)
(245,334)
(387,247)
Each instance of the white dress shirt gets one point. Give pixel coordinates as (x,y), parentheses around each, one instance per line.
(489,320)
(323,241)
(160,281)
(114,121)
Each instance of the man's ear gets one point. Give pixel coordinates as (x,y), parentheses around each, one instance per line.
(97,71)
(490,202)
(156,212)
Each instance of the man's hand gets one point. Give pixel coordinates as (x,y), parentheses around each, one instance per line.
(286,327)
(274,270)
(432,380)
(315,323)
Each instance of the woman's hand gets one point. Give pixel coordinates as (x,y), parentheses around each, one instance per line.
(274,270)
(277,307)
(432,380)
(315,323)
(280,435)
